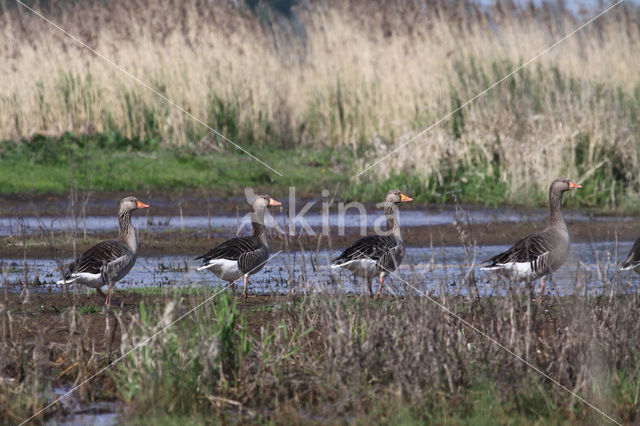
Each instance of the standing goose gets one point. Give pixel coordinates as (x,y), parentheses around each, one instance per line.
(242,256)
(540,253)
(377,255)
(633,260)
(109,261)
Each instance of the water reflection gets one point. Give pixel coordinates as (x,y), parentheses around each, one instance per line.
(431,271)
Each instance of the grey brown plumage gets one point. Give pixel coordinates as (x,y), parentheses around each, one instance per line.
(247,251)
(535,252)
(109,261)
(99,258)
(540,253)
(377,255)
(242,256)
(633,259)
(383,249)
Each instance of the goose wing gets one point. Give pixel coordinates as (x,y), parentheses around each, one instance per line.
(97,257)
(534,248)
(633,260)
(375,247)
(232,249)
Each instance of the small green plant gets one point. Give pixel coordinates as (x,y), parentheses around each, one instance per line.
(89,309)
(186,361)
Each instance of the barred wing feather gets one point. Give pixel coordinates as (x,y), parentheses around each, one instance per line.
(232,249)
(93,260)
(373,247)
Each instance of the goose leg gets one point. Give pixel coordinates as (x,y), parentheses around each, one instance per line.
(107,301)
(382,277)
(369,283)
(246,281)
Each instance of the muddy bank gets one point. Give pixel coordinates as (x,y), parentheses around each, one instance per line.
(195,243)
(188,203)
(49,317)
(210,202)
(106,203)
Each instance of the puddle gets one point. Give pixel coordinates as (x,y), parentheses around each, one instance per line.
(430,271)
(77,413)
(352,218)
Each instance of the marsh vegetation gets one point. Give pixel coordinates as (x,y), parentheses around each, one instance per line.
(320,77)
(320,90)
(328,357)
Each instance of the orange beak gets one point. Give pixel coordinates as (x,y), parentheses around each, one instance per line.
(573,185)
(274,203)
(141,205)
(405,199)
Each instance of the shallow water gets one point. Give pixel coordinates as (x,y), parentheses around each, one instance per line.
(429,271)
(315,221)
(77,413)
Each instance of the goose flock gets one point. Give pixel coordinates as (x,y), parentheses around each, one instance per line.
(533,257)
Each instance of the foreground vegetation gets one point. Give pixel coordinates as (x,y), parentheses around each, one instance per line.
(334,358)
(304,79)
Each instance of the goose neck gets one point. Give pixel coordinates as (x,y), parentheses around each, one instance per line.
(391,212)
(257,222)
(127,233)
(555,207)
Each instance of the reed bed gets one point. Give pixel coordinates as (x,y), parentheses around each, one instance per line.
(345,75)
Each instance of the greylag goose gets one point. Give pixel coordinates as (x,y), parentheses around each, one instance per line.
(633,260)
(109,261)
(377,255)
(242,256)
(540,253)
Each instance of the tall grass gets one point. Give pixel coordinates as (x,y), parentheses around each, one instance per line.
(333,358)
(337,74)
(196,365)
(200,354)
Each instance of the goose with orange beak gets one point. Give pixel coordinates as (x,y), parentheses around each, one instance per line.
(109,261)
(243,256)
(377,255)
(541,253)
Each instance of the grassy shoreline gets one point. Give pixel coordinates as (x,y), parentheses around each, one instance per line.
(42,166)
(111,162)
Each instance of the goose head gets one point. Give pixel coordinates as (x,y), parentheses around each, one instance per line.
(260,201)
(129,204)
(396,197)
(562,185)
